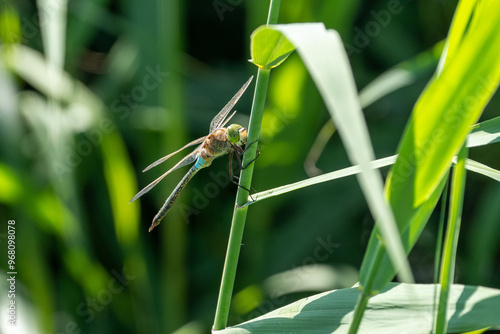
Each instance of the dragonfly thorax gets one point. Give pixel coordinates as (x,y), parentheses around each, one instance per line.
(216,145)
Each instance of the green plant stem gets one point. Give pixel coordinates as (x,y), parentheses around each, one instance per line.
(451,241)
(274,11)
(358,312)
(366,292)
(240,213)
(439,243)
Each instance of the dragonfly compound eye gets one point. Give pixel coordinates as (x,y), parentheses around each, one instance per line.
(234,133)
(243,134)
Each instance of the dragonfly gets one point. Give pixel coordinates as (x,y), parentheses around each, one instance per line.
(219,141)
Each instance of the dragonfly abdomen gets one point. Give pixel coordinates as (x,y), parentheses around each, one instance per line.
(173,196)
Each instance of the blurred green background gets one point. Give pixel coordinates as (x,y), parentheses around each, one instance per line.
(143,79)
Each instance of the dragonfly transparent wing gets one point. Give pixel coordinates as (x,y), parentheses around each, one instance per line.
(188,159)
(227,119)
(159,161)
(218,120)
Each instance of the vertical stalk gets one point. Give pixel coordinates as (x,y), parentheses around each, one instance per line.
(451,241)
(240,214)
(439,243)
(366,291)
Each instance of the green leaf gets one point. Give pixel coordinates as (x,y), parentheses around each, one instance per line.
(480,168)
(449,106)
(324,55)
(440,122)
(121,184)
(269,47)
(400,308)
(53,31)
(385,271)
(484,133)
(353,170)
(471,165)
(10,25)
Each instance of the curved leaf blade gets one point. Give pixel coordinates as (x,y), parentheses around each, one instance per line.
(391,311)
(269,47)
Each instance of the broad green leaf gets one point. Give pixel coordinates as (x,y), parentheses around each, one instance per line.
(457,30)
(442,117)
(449,106)
(308,278)
(399,308)
(269,47)
(324,55)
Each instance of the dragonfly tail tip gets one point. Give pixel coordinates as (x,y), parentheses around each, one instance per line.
(153,225)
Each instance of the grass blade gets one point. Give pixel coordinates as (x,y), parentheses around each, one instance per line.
(333,77)
(438,128)
(447,271)
(353,170)
(484,133)
(471,165)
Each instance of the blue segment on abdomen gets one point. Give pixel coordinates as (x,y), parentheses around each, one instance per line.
(200,163)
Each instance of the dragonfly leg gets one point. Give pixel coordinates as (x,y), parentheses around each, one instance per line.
(239,152)
(256,155)
(234,177)
(239,185)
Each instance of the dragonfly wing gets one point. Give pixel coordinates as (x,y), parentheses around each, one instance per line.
(218,120)
(188,159)
(159,161)
(228,119)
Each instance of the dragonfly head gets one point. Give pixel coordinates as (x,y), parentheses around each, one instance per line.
(237,134)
